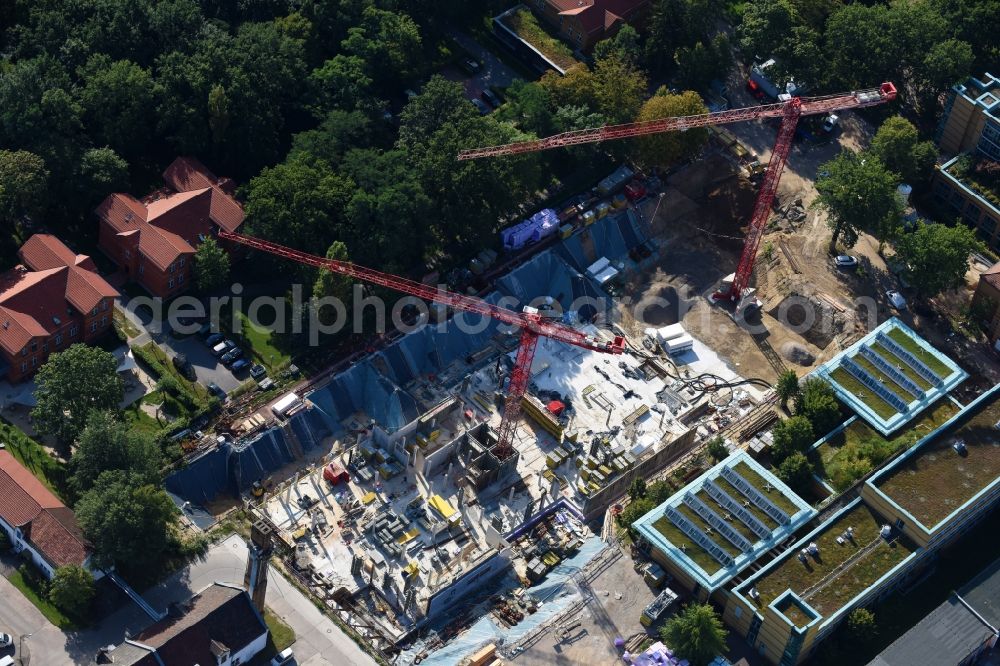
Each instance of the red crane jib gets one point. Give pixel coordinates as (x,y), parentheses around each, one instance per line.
(532,325)
(789,111)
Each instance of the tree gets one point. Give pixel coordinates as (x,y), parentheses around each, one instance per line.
(624,45)
(72,384)
(897,145)
(101,171)
(859,194)
(818,403)
(117,98)
(696,634)
(337,133)
(937,256)
(341,83)
(638,489)
(107,443)
(671,147)
(211,265)
(72,590)
(766,24)
(127,520)
(861,624)
(796,471)
(619,88)
(946,63)
(861,50)
(794,435)
(329,284)
(23,184)
(388,42)
(787,387)
(717,448)
(528,106)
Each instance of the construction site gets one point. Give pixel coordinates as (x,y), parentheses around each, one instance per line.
(455,487)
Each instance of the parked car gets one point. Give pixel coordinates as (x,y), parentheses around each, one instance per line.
(491,98)
(830,122)
(7,661)
(257,371)
(223,347)
(283,658)
(471,66)
(215,390)
(214,339)
(481,106)
(184,367)
(239,364)
(5,640)
(896,299)
(846,261)
(230,356)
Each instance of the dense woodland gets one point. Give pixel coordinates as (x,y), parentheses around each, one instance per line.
(302,102)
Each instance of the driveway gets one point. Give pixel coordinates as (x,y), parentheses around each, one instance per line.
(319,642)
(493,73)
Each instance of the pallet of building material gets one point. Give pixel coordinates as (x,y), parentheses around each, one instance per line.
(639,412)
(537,411)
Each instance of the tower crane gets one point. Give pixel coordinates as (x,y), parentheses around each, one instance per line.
(789,111)
(532,324)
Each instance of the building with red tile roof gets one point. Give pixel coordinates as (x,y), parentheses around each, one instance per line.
(37,522)
(986,301)
(583,23)
(154,240)
(55,299)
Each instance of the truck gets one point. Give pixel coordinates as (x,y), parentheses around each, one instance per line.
(762,79)
(615,181)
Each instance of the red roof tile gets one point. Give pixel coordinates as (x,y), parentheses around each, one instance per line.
(187,173)
(595,15)
(162,247)
(122,211)
(84,286)
(46,522)
(991,276)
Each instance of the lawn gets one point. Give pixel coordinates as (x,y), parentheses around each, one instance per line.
(719,539)
(281,634)
(33,455)
(863,393)
(776,497)
(735,523)
(792,574)
(857,449)
(260,346)
(124,325)
(791,610)
(936,480)
(524,24)
(680,540)
(30,587)
(924,356)
(758,513)
(891,358)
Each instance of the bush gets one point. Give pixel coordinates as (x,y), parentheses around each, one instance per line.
(794,435)
(5,543)
(717,449)
(861,624)
(72,590)
(796,471)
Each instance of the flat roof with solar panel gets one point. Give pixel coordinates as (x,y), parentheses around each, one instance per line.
(890,375)
(725,519)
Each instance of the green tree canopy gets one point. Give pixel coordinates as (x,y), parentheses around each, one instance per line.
(696,634)
(71,590)
(766,24)
(717,448)
(897,145)
(671,147)
(937,256)
(72,384)
(818,403)
(787,387)
(127,520)
(619,88)
(106,443)
(23,184)
(796,471)
(102,171)
(117,97)
(859,194)
(794,435)
(861,624)
(211,265)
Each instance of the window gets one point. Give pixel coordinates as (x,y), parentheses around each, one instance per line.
(34,347)
(128,254)
(900,524)
(93,326)
(104,305)
(24,352)
(104,322)
(737,611)
(45,348)
(24,366)
(72,331)
(180,262)
(94,311)
(170,283)
(173,267)
(142,268)
(34,361)
(180,279)
(58,339)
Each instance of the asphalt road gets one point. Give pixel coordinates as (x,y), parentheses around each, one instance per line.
(319,642)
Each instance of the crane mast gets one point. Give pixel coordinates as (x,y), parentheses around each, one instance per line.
(788,111)
(532,324)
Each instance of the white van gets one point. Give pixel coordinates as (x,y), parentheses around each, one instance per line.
(283,658)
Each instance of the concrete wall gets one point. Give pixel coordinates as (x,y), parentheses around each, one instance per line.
(599,502)
(457,590)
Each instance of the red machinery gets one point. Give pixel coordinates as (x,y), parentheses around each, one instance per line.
(532,324)
(789,113)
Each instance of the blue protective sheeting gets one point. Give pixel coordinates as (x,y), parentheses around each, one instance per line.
(547,275)
(362,388)
(256,459)
(203,478)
